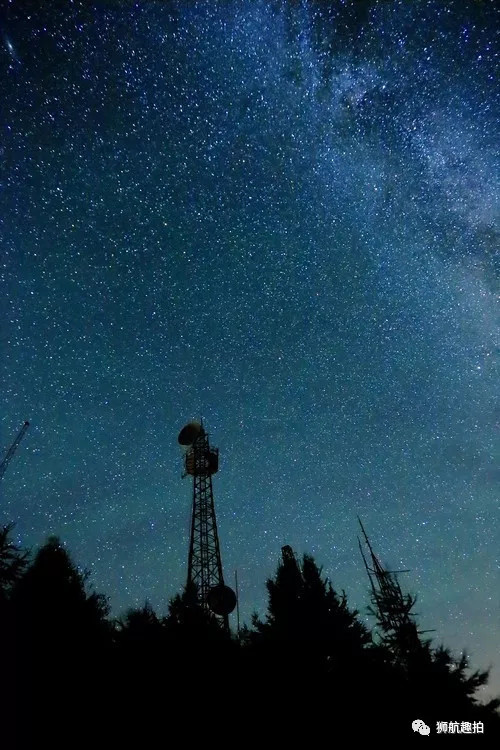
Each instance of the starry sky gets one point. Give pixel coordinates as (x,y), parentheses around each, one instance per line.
(282,217)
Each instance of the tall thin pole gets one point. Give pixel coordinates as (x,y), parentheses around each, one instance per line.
(237,603)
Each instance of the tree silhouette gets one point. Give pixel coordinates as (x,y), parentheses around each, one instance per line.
(139,626)
(13,562)
(310,637)
(195,635)
(187,620)
(53,605)
(310,656)
(61,635)
(139,665)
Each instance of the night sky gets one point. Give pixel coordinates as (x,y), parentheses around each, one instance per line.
(282,217)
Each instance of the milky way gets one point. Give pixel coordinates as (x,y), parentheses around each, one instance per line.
(281,217)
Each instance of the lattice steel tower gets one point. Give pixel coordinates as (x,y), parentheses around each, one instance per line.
(204,561)
(10,452)
(392,607)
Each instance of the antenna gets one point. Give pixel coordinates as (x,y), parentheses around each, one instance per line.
(237,603)
(393,608)
(10,452)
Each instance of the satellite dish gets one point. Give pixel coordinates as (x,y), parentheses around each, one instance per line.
(189,433)
(221,599)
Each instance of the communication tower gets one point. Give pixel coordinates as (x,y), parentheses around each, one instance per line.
(201,461)
(392,608)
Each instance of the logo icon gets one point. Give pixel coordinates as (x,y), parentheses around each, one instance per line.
(421,727)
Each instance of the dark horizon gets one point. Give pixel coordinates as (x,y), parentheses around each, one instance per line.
(310,651)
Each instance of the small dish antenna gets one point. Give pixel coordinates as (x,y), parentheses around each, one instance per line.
(189,433)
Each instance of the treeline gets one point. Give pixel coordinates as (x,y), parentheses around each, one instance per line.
(69,671)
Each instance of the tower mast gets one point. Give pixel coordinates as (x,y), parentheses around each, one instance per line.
(392,608)
(201,461)
(5,461)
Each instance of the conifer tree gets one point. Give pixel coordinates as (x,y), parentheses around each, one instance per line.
(189,624)
(62,637)
(13,562)
(139,626)
(310,636)
(52,604)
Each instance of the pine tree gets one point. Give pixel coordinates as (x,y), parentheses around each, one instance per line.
(13,562)
(310,637)
(53,606)
(139,664)
(62,636)
(139,626)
